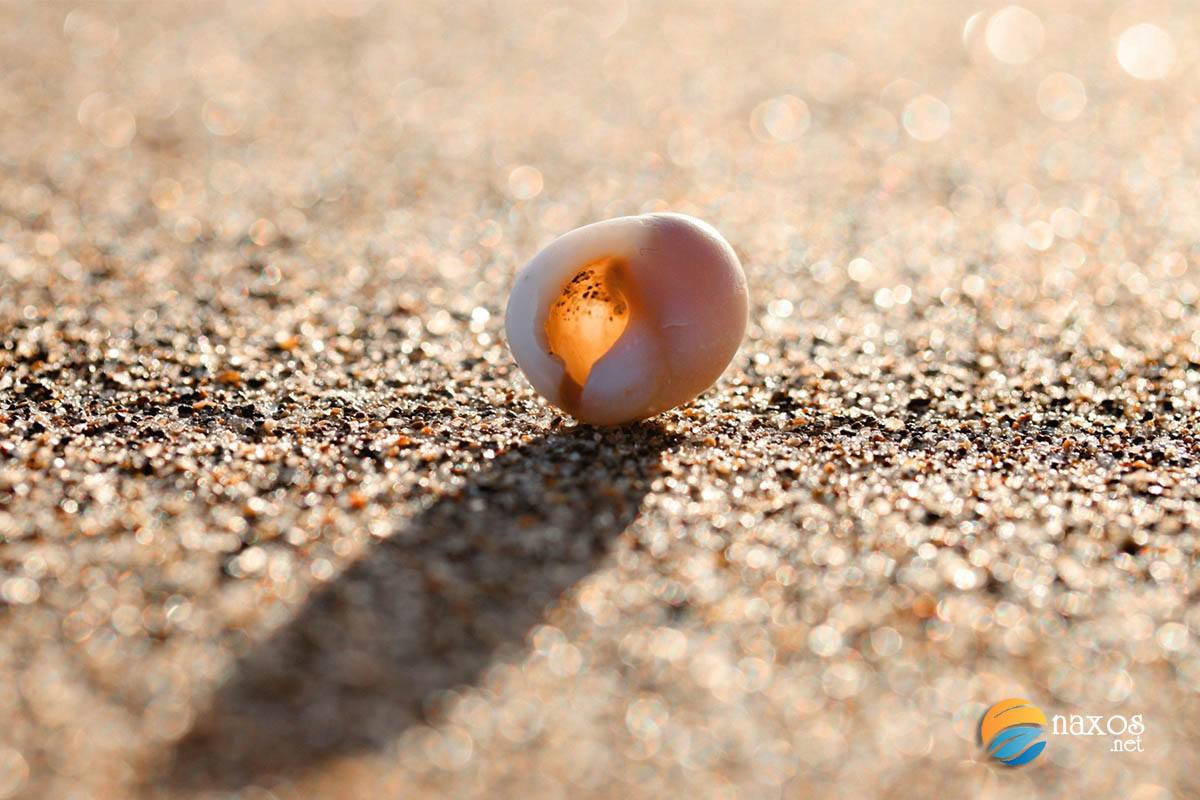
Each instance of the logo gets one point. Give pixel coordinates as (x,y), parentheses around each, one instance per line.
(1012,732)
(1117,727)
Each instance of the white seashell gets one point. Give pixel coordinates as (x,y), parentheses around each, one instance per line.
(623,319)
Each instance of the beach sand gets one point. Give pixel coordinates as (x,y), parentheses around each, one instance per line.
(280,518)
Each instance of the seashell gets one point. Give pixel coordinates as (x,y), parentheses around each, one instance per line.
(620,320)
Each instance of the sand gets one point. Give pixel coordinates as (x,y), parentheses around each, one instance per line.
(280,518)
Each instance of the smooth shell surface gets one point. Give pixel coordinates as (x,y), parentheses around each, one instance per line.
(623,319)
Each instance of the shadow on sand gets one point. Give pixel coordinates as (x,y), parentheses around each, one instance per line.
(426,610)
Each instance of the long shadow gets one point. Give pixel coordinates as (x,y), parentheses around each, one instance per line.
(426,610)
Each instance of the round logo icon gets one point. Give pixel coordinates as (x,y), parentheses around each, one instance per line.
(1011,732)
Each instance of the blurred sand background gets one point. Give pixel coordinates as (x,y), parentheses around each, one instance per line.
(279,518)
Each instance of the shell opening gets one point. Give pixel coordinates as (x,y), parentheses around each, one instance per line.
(588,317)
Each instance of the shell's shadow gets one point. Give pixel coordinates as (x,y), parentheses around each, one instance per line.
(426,610)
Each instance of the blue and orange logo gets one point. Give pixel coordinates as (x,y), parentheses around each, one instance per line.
(1011,732)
